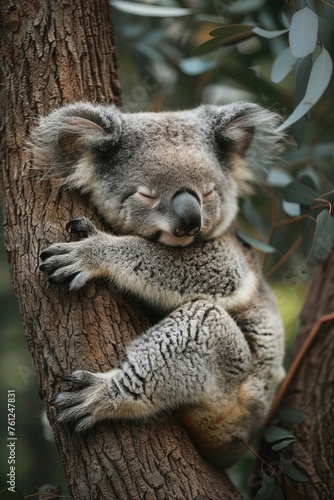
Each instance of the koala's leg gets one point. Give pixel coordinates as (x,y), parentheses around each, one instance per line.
(197,352)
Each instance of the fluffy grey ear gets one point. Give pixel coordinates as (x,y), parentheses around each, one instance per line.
(246,136)
(65,141)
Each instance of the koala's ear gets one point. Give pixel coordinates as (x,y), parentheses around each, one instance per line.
(246,137)
(77,135)
(72,134)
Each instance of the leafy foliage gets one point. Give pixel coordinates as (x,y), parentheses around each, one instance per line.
(278,481)
(218,52)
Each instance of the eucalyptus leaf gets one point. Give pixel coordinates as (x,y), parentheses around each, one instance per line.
(225,35)
(291,209)
(232,32)
(324,150)
(295,473)
(291,416)
(283,444)
(282,65)
(310,178)
(267,488)
(303,72)
(208,46)
(140,9)
(279,178)
(243,6)
(329,10)
(275,433)
(286,19)
(303,32)
(323,240)
(194,66)
(258,244)
(319,79)
(253,215)
(296,192)
(268,34)
(326,34)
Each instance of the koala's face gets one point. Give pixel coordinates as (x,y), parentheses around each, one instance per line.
(168,177)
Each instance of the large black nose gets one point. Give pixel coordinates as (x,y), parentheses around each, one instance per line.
(187,212)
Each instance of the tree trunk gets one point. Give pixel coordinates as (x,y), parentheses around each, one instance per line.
(312,389)
(53,53)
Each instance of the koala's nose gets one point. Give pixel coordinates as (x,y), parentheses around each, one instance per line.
(188,216)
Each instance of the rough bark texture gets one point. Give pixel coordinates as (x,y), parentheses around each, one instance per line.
(53,53)
(312,389)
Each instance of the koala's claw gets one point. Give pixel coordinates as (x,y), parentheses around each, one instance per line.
(82,227)
(87,401)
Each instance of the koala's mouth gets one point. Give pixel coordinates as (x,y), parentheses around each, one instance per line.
(174,241)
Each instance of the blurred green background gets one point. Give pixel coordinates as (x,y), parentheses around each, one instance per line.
(160,69)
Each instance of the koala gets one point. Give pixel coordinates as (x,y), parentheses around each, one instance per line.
(167,185)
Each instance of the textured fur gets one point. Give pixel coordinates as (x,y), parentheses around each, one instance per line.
(216,357)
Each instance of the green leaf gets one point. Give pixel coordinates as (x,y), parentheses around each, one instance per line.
(140,9)
(268,34)
(329,10)
(275,433)
(323,241)
(267,488)
(283,444)
(253,216)
(291,416)
(319,79)
(295,473)
(296,192)
(282,65)
(292,209)
(310,178)
(303,32)
(225,35)
(326,34)
(194,66)
(259,245)
(243,6)
(303,72)
(231,33)
(279,178)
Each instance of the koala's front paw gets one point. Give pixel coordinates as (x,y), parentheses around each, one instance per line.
(82,227)
(76,260)
(63,261)
(90,400)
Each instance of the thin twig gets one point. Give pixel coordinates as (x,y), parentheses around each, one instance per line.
(285,257)
(328,4)
(295,365)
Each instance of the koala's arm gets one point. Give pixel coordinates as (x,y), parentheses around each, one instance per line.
(162,276)
(222,367)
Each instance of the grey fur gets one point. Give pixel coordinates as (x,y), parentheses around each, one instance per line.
(217,354)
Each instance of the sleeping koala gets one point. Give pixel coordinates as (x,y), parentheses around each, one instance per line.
(167,184)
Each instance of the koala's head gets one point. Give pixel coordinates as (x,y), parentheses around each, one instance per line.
(170,177)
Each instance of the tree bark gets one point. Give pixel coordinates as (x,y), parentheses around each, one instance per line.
(312,389)
(53,53)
